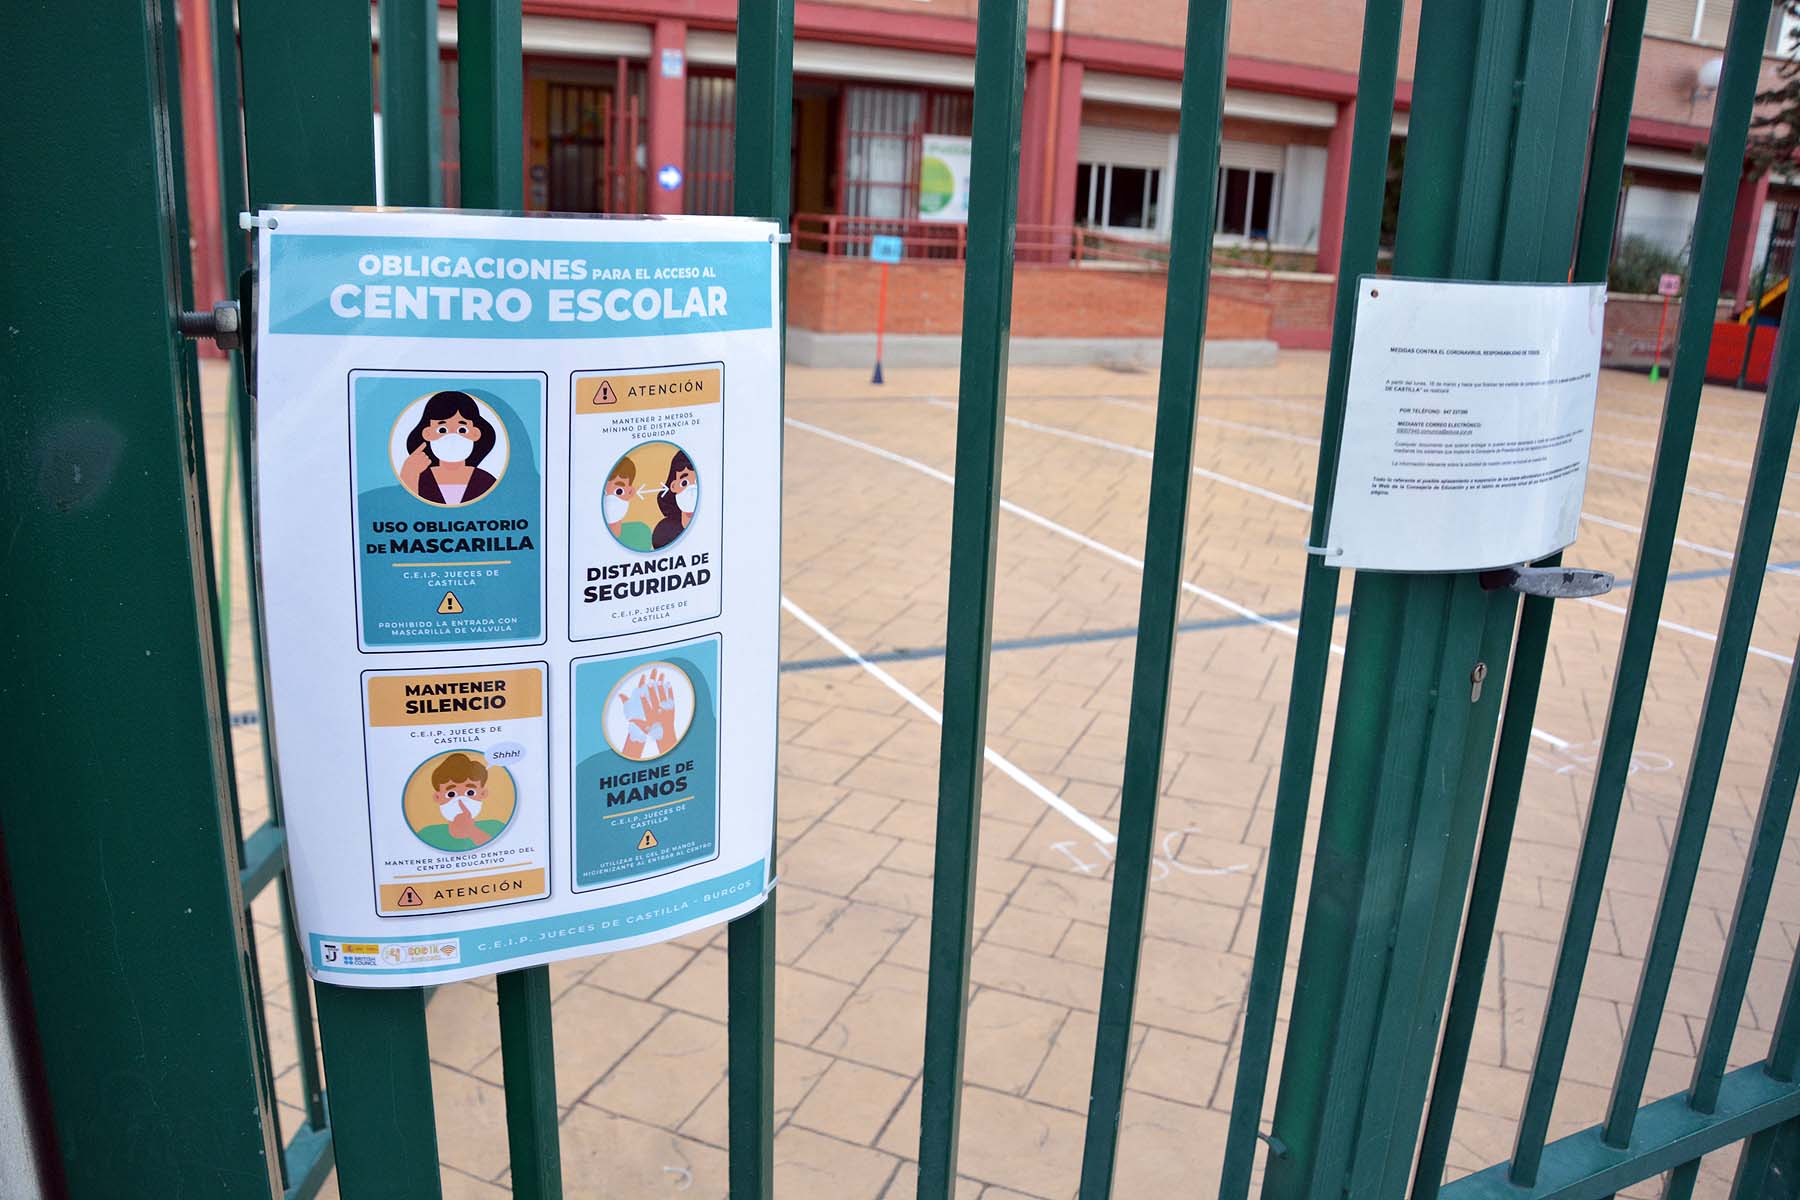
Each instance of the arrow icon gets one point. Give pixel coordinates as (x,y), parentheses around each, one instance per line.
(658,490)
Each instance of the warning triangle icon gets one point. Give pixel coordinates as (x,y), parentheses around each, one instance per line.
(647,841)
(606,395)
(410,898)
(450,604)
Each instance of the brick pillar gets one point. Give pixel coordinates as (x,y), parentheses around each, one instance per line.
(1033,126)
(1337,189)
(200,141)
(1746,219)
(668,111)
(1068,144)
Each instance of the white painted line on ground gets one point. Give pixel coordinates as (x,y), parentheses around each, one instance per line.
(1137,564)
(1004,765)
(1082,539)
(1696,547)
(1607,522)
(1697,455)
(1662,622)
(1693,632)
(1226,423)
(1690,489)
(1202,472)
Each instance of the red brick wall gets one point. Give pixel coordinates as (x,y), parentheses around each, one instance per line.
(1317,33)
(1631,329)
(1665,82)
(837,295)
(1300,305)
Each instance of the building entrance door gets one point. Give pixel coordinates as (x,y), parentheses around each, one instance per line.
(581,127)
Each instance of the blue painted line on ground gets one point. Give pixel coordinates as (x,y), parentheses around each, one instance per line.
(1085,636)
(1041,642)
(1620,584)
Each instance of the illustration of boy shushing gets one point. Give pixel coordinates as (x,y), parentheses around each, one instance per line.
(459,785)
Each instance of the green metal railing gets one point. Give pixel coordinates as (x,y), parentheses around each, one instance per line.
(1516,147)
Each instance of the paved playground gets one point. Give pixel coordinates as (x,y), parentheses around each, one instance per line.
(640,1036)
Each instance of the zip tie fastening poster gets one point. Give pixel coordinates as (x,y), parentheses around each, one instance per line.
(523,698)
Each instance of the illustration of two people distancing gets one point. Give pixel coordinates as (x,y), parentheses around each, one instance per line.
(676,499)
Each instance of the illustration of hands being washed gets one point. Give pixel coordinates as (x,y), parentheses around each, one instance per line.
(650,712)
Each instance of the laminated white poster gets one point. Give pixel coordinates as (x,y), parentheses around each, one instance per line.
(1467,424)
(522,698)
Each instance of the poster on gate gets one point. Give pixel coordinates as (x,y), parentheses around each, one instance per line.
(518,524)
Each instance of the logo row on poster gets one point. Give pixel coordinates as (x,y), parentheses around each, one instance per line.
(448,476)
(458,769)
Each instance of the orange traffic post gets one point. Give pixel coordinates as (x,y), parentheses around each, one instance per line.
(1666,286)
(1656,358)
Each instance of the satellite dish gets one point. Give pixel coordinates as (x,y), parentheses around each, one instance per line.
(1706,78)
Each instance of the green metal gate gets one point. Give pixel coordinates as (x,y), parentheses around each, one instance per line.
(153,1066)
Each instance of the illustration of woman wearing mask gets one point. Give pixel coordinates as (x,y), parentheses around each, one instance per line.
(443,451)
(679,501)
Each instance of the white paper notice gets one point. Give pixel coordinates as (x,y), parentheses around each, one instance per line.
(1467,423)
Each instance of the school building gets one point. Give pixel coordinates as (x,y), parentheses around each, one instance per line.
(629,108)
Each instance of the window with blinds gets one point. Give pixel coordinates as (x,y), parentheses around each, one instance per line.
(884,129)
(1708,22)
(1671,18)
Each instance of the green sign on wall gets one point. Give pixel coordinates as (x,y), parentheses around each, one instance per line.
(944,178)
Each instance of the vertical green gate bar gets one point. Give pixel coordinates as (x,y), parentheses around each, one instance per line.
(309,139)
(1484,197)
(1718,188)
(974,530)
(761,188)
(491,131)
(1388,725)
(209,564)
(490,67)
(1534,241)
(411,161)
(1746,924)
(308,104)
(528,1069)
(1159,604)
(1768,473)
(1758,1167)
(150,1056)
(1319,591)
(1593,250)
(410,134)
(307,1154)
(378,1076)
(1752,905)
(1606,159)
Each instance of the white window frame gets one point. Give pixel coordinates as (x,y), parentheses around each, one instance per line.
(1243,238)
(1785,46)
(1099,200)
